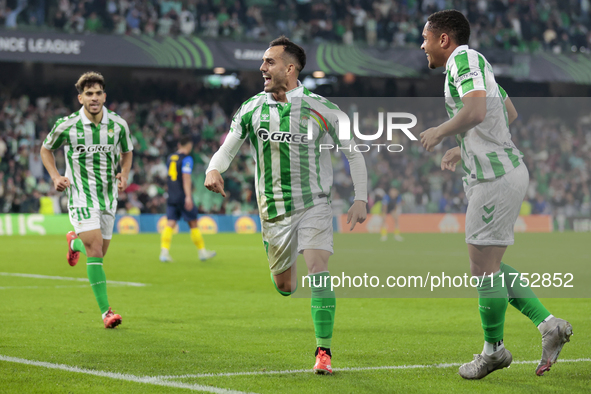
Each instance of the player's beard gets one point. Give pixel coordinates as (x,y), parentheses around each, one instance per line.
(272,86)
(276,85)
(90,110)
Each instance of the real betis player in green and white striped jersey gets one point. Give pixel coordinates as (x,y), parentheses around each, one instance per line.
(94,139)
(293,181)
(291,172)
(92,156)
(487,150)
(495,184)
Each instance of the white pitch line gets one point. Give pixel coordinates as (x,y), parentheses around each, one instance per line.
(390,367)
(120,376)
(54,287)
(134,284)
(39,287)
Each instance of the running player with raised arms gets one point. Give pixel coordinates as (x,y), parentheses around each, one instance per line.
(495,183)
(180,200)
(293,181)
(94,139)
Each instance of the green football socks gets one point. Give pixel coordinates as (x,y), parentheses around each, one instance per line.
(522,297)
(323,308)
(492,303)
(78,246)
(98,281)
(283,293)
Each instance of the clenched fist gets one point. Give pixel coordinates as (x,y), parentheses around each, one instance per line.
(61,183)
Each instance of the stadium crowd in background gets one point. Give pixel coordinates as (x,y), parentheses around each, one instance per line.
(521,25)
(557,154)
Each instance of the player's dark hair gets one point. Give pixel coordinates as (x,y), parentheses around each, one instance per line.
(185,139)
(88,80)
(293,49)
(451,22)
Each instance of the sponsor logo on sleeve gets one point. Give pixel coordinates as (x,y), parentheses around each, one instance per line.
(471,74)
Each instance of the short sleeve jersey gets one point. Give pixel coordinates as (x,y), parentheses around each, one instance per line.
(92,156)
(487,149)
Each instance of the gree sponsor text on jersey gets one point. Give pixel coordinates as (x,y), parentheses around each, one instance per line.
(282,136)
(94,148)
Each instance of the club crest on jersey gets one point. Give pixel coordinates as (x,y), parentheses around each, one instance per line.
(81,134)
(264,116)
(281,136)
(94,149)
(111,133)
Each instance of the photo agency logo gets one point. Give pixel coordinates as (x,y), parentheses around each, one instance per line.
(329,128)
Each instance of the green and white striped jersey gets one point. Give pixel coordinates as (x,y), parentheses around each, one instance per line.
(92,155)
(292,173)
(487,149)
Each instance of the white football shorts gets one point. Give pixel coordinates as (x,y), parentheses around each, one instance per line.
(287,236)
(493,208)
(86,219)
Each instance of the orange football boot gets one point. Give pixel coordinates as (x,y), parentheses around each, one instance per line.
(112,319)
(322,366)
(72,255)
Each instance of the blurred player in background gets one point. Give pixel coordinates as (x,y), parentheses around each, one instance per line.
(495,183)
(94,138)
(391,204)
(180,200)
(293,182)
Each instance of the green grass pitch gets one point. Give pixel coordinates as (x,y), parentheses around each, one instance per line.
(224,316)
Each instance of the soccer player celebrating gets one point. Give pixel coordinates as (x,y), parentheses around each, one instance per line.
(391,204)
(293,181)
(94,138)
(180,200)
(495,183)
